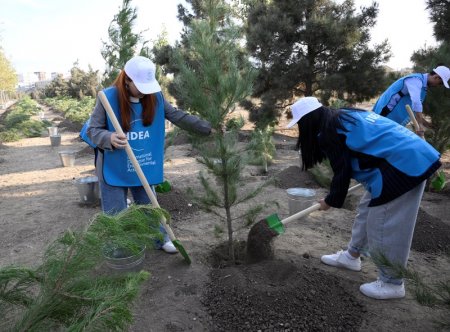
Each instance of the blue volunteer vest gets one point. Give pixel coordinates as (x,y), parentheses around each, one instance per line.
(84,136)
(147,144)
(379,137)
(399,113)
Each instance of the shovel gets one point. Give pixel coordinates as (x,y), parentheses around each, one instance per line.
(141,176)
(412,117)
(261,234)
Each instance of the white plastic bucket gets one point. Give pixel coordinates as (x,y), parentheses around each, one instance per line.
(300,199)
(52,131)
(67,158)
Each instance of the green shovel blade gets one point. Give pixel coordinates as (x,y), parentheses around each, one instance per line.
(438,182)
(181,250)
(274,222)
(163,187)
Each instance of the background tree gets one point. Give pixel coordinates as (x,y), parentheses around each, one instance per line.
(437,103)
(8,78)
(80,84)
(58,87)
(160,47)
(440,15)
(123,42)
(165,53)
(83,83)
(315,47)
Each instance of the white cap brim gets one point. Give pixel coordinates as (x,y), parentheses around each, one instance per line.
(148,88)
(292,123)
(302,107)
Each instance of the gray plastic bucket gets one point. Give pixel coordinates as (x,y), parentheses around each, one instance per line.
(88,190)
(55,140)
(300,199)
(122,260)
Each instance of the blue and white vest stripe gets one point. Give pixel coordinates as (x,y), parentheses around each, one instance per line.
(398,113)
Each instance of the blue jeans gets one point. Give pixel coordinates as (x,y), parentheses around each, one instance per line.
(114,200)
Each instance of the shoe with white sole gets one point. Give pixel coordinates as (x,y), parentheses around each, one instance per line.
(382,290)
(340,259)
(169,247)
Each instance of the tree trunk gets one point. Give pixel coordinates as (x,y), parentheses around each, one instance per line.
(228,213)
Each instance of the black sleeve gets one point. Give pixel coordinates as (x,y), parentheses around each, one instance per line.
(339,158)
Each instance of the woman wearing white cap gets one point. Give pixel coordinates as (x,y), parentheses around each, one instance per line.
(411,90)
(141,109)
(390,161)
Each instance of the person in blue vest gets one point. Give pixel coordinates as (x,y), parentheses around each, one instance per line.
(410,90)
(141,109)
(390,161)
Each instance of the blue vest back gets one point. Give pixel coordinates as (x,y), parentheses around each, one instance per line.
(147,144)
(379,137)
(399,113)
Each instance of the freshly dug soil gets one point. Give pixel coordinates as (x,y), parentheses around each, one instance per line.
(176,203)
(259,242)
(293,177)
(431,235)
(275,295)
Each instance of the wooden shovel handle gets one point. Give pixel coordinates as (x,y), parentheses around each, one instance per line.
(137,167)
(312,208)
(412,117)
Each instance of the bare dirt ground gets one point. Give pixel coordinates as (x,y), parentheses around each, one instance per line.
(293,292)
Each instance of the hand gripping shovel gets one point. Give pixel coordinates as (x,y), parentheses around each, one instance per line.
(261,234)
(141,176)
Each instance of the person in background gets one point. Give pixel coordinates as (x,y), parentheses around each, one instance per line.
(410,90)
(390,161)
(141,109)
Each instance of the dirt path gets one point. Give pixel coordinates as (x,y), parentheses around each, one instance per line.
(38,201)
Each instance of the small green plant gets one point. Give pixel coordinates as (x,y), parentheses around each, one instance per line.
(261,148)
(67,291)
(437,294)
(19,124)
(218,231)
(10,136)
(74,109)
(322,173)
(235,123)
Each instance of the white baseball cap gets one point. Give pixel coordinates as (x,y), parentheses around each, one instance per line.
(443,73)
(302,107)
(141,71)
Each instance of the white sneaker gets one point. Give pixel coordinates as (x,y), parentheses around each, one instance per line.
(340,259)
(169,248)
(382,290)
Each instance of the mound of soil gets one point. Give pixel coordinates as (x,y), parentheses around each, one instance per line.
(279,296)
(70,126)
(176,203)
(293,177)
(431,235)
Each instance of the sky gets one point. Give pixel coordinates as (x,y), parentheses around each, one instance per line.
(50,35)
